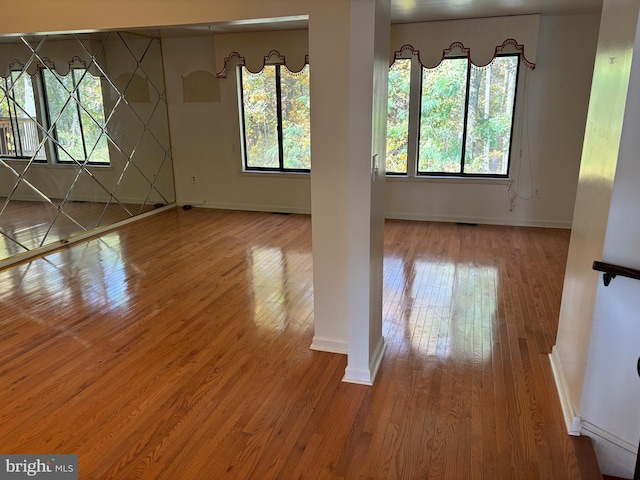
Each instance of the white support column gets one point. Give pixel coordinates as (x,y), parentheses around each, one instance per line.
(370,27)
(329,57)
(349,70)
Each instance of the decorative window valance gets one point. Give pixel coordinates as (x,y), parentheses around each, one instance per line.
(481,39)
(272,58)
(35,66)
(58,55)
(255,49)
(458,49)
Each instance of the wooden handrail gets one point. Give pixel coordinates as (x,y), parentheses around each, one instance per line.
(611,271)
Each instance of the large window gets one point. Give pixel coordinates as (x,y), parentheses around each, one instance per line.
(18,128)
(76,110)
(72,105)
(275,119)
(465,117)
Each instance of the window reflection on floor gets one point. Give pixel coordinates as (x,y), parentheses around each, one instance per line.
(111,286)
(448,310)
(281,282)
(93,271)
(443,309)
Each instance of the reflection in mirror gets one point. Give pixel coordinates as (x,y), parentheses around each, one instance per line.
(84,136)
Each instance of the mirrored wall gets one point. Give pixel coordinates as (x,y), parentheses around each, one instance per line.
(84,136)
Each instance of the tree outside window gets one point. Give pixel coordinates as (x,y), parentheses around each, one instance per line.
(75,109)
(466,117)
(275,119)
(398,117)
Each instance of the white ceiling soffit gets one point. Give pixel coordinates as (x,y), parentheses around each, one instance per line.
(279,23)
(406,11)
(409,11)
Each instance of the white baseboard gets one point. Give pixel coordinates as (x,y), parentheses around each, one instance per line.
(99,198)
(331,345)
(616,456)
(571,419)
(426,217)
(246,207)
(367,376)
(421,217)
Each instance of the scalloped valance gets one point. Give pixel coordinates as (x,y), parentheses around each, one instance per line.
(254,49)
(58,55)
(481,39)
(457,48)
(406,51)
(274,57)
(61,53)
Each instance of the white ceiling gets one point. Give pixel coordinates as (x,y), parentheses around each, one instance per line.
(404,11)
(408,11)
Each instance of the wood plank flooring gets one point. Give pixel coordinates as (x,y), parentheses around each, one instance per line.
(178,348)
(29,225)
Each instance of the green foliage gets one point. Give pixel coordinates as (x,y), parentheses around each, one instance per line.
(490,119)
(17,116)
(63,114)
(92,116)
(296,125)
(4,102)
(442,116)
(7,143)
(78,129)
(398,116)
(441,130)
(260,104)
(260,117)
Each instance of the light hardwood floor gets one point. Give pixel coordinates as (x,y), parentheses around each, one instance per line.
(178,348)
(29,225)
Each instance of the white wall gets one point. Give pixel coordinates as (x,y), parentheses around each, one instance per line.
(597,170)
(554,118)
(596,350)
(609,404)
(206,137)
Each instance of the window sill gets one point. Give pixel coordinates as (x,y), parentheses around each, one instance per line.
(23,160)
(447,179)
(88,166)
(62,166)
(273,174)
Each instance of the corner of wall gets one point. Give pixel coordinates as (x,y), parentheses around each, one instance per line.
(615,456)
(571,419)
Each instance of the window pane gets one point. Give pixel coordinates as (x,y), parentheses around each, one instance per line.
(7,143)
(398,116)
(22,110)
(260,117)
(69,134)
(296,143)
(92,116)
(442,116)
(490,116)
